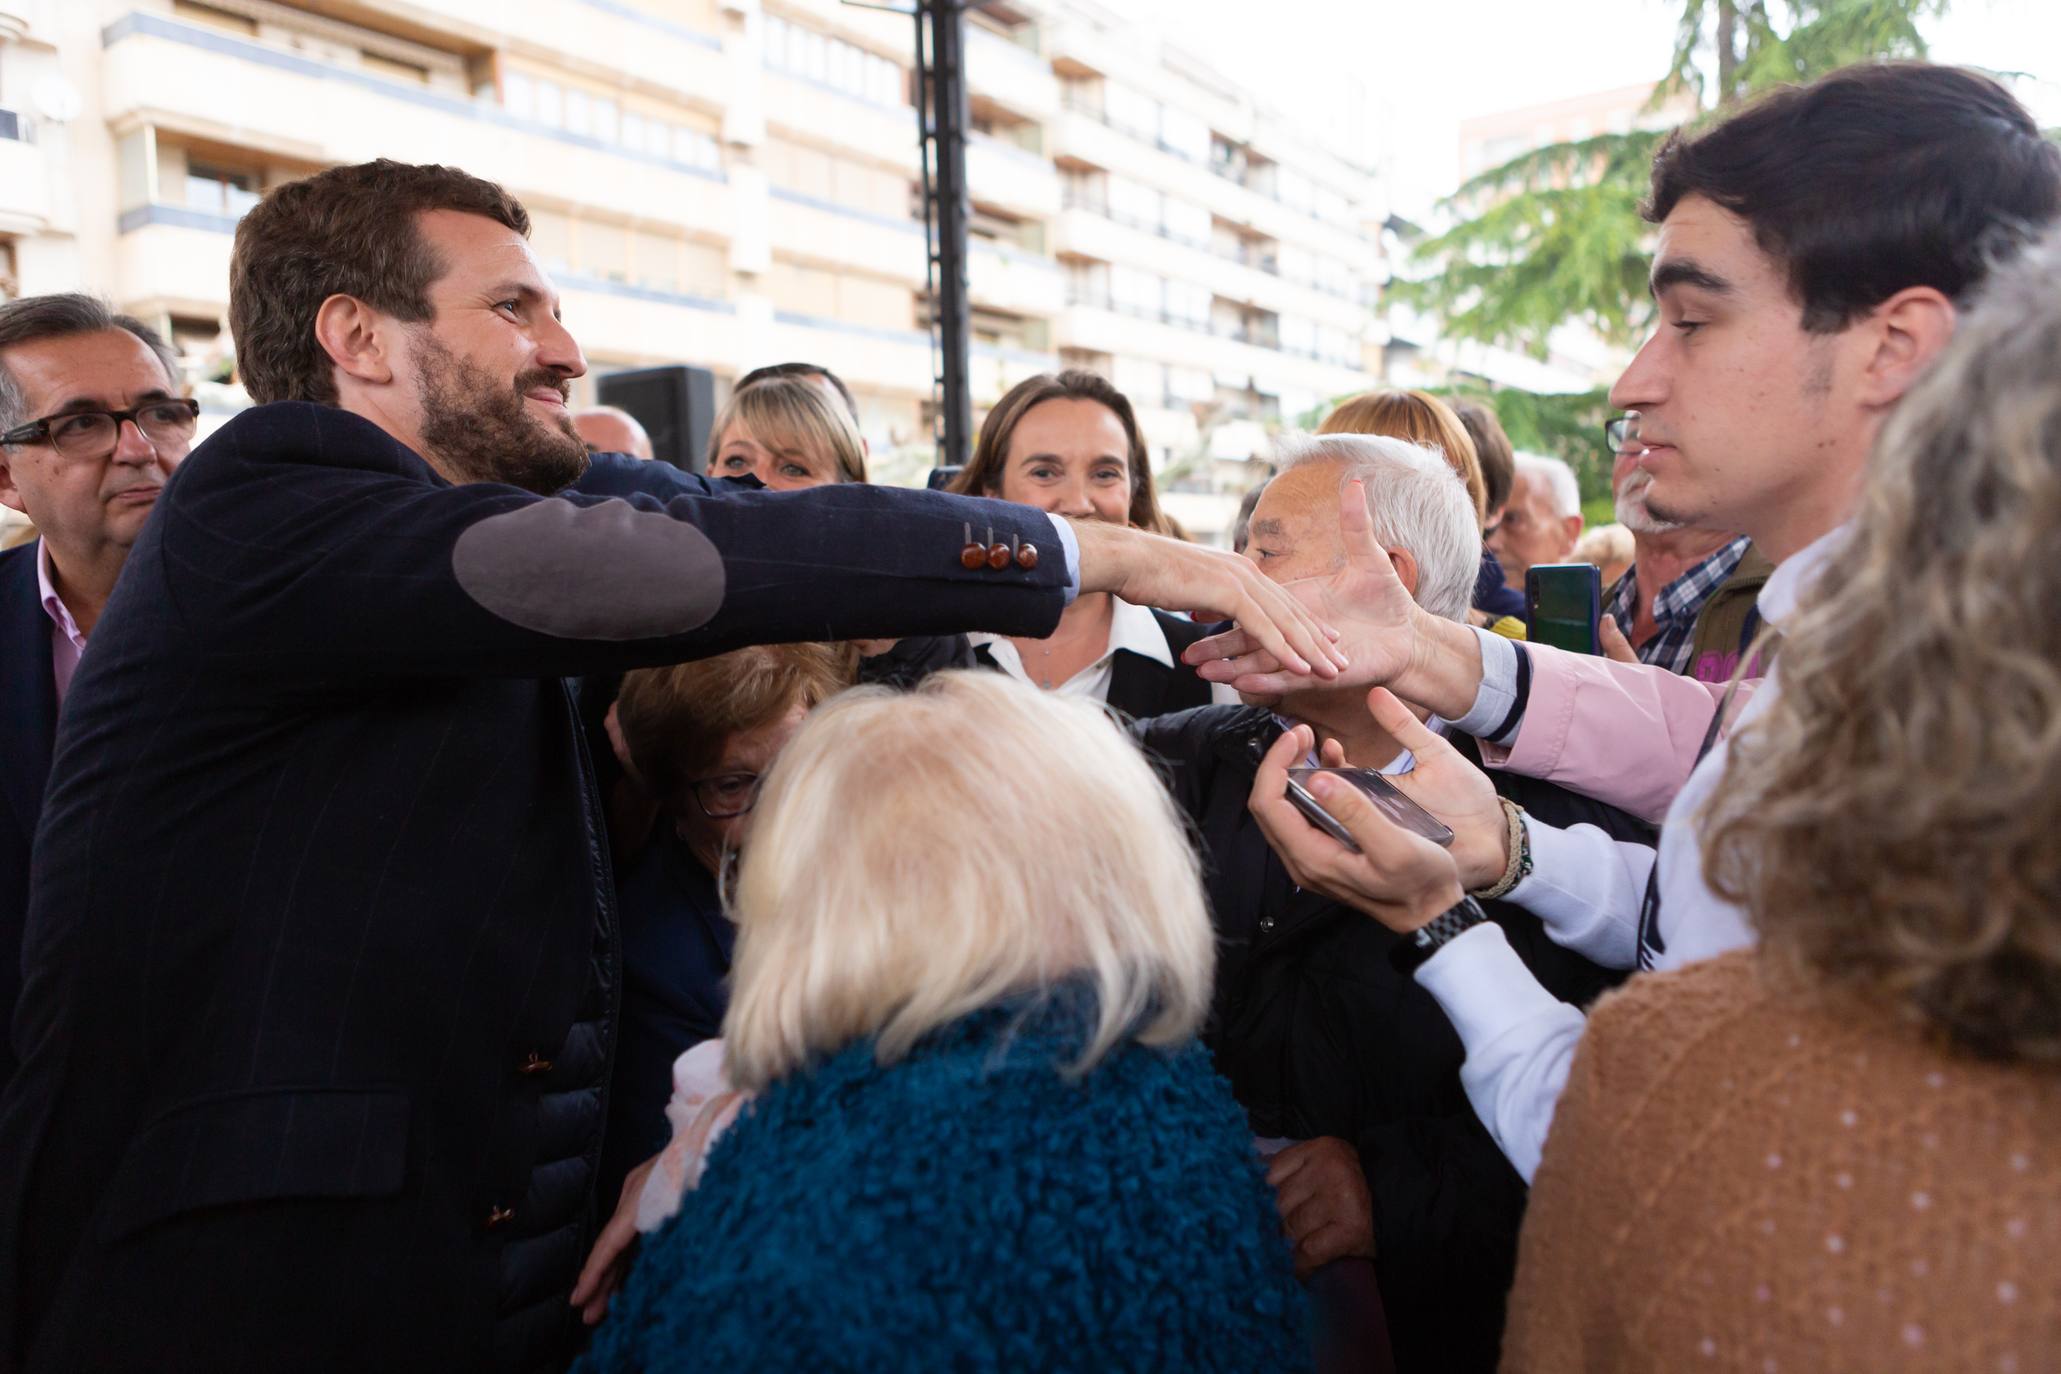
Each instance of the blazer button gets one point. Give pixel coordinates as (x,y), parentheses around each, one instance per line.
(497,1216)
(998,557)
(535,1064)
(1027,557)
(973,556)
(1266,923)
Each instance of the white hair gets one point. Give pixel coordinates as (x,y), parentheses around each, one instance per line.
(1415,501)
(907,868)
(1565,491)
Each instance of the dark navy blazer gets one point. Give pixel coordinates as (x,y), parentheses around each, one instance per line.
(321,967)
(28,724)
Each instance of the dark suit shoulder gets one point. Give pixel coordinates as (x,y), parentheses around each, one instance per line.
(618,474)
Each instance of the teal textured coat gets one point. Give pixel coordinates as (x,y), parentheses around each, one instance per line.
(972,1208)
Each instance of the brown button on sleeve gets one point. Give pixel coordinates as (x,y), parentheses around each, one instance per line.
(1027,557)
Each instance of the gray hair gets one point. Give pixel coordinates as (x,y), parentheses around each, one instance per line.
(1559,480)
(1415,501)
(59,316)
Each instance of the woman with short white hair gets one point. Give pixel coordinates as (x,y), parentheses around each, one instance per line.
(971,963)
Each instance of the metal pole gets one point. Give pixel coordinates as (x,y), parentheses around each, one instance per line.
(942,118)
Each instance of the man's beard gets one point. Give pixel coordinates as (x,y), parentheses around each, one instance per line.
(480,432)
(1634,511)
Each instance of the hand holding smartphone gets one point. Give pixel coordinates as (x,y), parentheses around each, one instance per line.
(1563,604)
(1388,799)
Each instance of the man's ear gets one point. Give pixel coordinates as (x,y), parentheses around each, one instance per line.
(358,339)
(1405,569)
(1909,331)
(1574,529)
(10,494)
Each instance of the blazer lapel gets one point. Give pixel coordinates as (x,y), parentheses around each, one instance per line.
(28,694)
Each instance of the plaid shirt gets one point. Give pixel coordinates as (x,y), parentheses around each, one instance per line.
(1675,607)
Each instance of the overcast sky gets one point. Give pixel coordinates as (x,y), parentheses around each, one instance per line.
(1447,60)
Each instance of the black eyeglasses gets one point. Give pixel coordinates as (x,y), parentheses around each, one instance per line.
(723,798)
(94,433)
(1622,431)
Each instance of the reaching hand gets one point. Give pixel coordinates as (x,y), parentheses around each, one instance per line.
(1152,570)
(1615,645)
(609,1261)
(1400,879)
(1387,638)
(1321,1193)
(1450,788)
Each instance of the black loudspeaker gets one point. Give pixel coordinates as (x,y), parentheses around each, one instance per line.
(676,406)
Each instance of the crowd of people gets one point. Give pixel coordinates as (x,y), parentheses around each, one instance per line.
(473,896)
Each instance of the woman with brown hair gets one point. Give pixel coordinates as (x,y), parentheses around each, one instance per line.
(1842,1149)
(1069,443)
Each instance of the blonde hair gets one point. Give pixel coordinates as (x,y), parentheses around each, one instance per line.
(1890,822)
(789,412)
(1421,418)
(907,868)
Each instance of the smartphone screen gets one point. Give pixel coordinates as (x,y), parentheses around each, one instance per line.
(1389,799)
(1564,601)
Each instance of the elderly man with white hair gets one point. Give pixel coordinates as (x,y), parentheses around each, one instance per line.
(1346,1068)
(1542,521)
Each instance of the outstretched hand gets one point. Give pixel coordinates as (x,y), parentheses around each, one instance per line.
(1152,570)
(1385,636)
(1400,879)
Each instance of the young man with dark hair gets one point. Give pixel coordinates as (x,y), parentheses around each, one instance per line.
(320,981)
(91,425)
(1813,252)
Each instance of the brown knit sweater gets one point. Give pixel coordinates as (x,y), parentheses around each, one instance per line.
(1741,1177)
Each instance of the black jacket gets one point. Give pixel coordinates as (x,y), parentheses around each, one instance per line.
(1320,1036)
(28,724)
(320,973)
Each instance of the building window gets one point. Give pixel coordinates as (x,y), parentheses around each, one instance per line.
(844,67)
(214,191)
(583,113)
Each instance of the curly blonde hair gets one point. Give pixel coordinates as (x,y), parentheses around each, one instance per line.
(1893,822)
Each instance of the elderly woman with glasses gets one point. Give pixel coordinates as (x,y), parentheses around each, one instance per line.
(694,738)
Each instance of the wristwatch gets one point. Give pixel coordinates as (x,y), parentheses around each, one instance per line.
(1409,953)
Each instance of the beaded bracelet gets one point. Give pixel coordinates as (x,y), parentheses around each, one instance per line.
(1518,841)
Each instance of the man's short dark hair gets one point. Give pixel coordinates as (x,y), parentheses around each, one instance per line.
(58,316)
(349,231)
(802,370)
(1872,180)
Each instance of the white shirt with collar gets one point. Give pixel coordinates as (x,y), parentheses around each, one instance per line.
(1586,889)
(67,644)
(1132,628)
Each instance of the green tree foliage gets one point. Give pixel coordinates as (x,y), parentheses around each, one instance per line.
(1554,235)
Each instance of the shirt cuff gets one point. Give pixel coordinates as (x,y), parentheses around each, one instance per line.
(1498,705)
(1062,530)
(1483,986)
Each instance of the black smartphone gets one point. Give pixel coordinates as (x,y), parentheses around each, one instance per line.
(1389,799)
(1563,603)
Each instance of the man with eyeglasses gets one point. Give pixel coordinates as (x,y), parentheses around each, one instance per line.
(1687,602)
(91,425)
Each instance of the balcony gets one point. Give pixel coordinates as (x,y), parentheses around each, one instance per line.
(172,259)
(806,229)
(1011,75)
(681,59)
(230,90)
(1012,280)
(24,181)
(813,113)
(1010,178)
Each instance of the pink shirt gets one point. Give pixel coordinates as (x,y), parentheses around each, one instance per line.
(66,643)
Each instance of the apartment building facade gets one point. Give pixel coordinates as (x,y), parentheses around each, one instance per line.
(732,182)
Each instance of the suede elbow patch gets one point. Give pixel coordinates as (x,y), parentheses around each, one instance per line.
(608,571)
